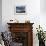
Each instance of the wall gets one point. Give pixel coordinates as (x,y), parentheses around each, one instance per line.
(33,14)
(43,14)
(0,15)
(43,6)
(32,8)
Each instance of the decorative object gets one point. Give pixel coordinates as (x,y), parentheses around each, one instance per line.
(7,38)
(27,21)
(1,40)
(45,34)
(41,36)
(21,9)
(13,21)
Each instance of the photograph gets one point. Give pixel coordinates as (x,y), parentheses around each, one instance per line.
(20,9)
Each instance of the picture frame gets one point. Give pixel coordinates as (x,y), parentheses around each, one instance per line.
(20,10)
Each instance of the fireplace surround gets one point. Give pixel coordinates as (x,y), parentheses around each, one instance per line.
(22,33)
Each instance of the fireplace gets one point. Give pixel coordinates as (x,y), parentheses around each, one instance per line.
(20,38)
(22,33)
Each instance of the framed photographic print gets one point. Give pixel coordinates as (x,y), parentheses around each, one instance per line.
(20,10)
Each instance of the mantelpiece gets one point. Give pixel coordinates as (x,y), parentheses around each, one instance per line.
(22,33)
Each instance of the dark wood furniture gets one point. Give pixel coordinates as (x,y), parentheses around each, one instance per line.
(22,33)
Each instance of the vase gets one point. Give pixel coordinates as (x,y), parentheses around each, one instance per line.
(41,43)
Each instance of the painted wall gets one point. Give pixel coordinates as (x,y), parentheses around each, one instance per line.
(32,8)
(43,6)
(32,13)
(0,15)
(43,14)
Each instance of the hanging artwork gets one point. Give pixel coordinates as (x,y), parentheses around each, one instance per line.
(20,10)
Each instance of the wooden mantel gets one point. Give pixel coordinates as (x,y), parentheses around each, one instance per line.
(23,27)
